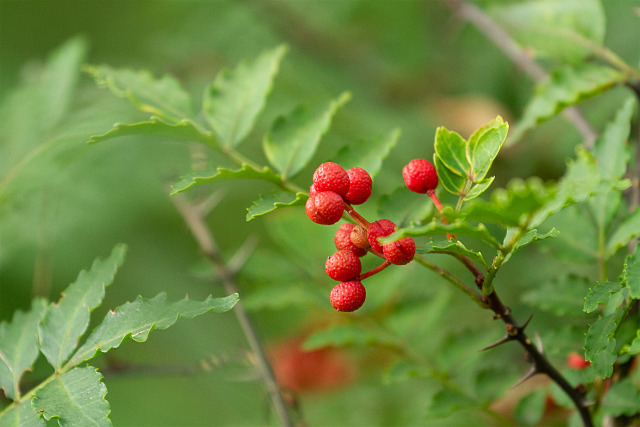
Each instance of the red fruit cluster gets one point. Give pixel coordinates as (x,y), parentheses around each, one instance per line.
(334,191)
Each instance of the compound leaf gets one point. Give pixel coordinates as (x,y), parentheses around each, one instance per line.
(19,346)
(65,322)
(223,174)
(135,320)
(278,200)
(233,101)
(368,154)
(292,140)
(75,398)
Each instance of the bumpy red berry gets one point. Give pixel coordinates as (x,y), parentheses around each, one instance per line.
(348,296)
(420,176)
(325,207)
(343,265)
(380,228)
(342,239)
(400,252)
(360,184)
(331,177)
(359,237)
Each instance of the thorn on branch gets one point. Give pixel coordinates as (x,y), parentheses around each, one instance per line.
(531,373)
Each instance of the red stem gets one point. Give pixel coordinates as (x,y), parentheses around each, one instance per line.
(356,216)
(376,270)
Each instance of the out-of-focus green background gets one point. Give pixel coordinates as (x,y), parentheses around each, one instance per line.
(408,64)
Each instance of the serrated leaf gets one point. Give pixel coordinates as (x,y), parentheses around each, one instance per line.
(233,101)
(346,335)
(184,129)
(65,322)
(526,239)
(163,97)
(600,343)
(611,148)
(223,174)
(278,200)
(368,154)
(135,320)
(628,229)
(405,207)
(631,273)
(451,150)
(75,398)
(21,415)
(623,398)
(561,296)
(600,294)
(483,149)
(460,228)
(19,346)
(447,401)
(566,86)
(293,140)
(456,247)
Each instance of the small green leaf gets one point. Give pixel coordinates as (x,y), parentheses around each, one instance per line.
(456,247)
(65,322)
(162,97)
(460,228)
(623,398)
(611,148)
(447,401)
(368,154)
(600,343)
(346,335)
(631,273)
(292,140)
(135,320)
(184,129)
(232,103)
(627,230)
(567,86)
(483,149)
(19,346)
(278,200)
(223,174)
(451,150)
(561,296)
(452,182)
(21,415)
(600,294)
(526,239)
(75,398)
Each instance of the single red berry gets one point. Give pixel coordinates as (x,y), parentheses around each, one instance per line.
(312,190)
(325,207)
(400,252)
(360,184)
(348,296)
(343,265)
(359,237)
(575,361)
(331,177)
(380,228)
(420,176)
(342,239)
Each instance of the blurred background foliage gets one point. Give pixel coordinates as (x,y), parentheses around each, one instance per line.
(408,64)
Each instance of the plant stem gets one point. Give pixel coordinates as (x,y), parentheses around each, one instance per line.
(376,270)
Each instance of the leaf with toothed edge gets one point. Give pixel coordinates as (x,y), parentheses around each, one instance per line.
(278,200)
(455,247)
(223,174)
(21,415)
(185,129)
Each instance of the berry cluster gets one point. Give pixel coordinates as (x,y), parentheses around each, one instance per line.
(333,192)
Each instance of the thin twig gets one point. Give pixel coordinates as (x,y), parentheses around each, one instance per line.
(210,249)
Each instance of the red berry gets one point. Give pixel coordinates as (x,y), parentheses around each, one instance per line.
(331,177)
(325,207)
(342,239)
(380,228)
(348,296)
(360,184)
(575,361)
(343,265)
(420,176)
(400,252)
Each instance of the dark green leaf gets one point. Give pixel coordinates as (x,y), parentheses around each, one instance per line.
(21,415)
(561,296)
(451,150)
(223,174)
(483,149)
(162,97)
(234,100)
(278,200)
(368,154)
(600,294)
(135,320)
(75,398)
(292,140)
(346,335)
(19,346)
(627,230)
(623,398)
(404,207)
(446,402)
(460,228)
(455,247)
(184,129)
(530,408)
(631,273)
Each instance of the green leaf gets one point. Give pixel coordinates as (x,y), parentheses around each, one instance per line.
(566,86)
(19,346)
(346,335)
(631,273)
(233,101)
(65,322)
(184,129)
(452,182)
(611,148)
(75,398)
(456,247)
(223,174)
(600,294)
(405,207)
(278,200)
(627,230)
(451,150)
(526,239)
(135,320)
(566,30)
(368,154)
(634,347)
(561,296)
(21,415)
(483,149)
(460,228)
(292,140)
(162,97)
(478,188)
(447,401)
(623,398)
(600,343)
(530,408)
(576,247)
